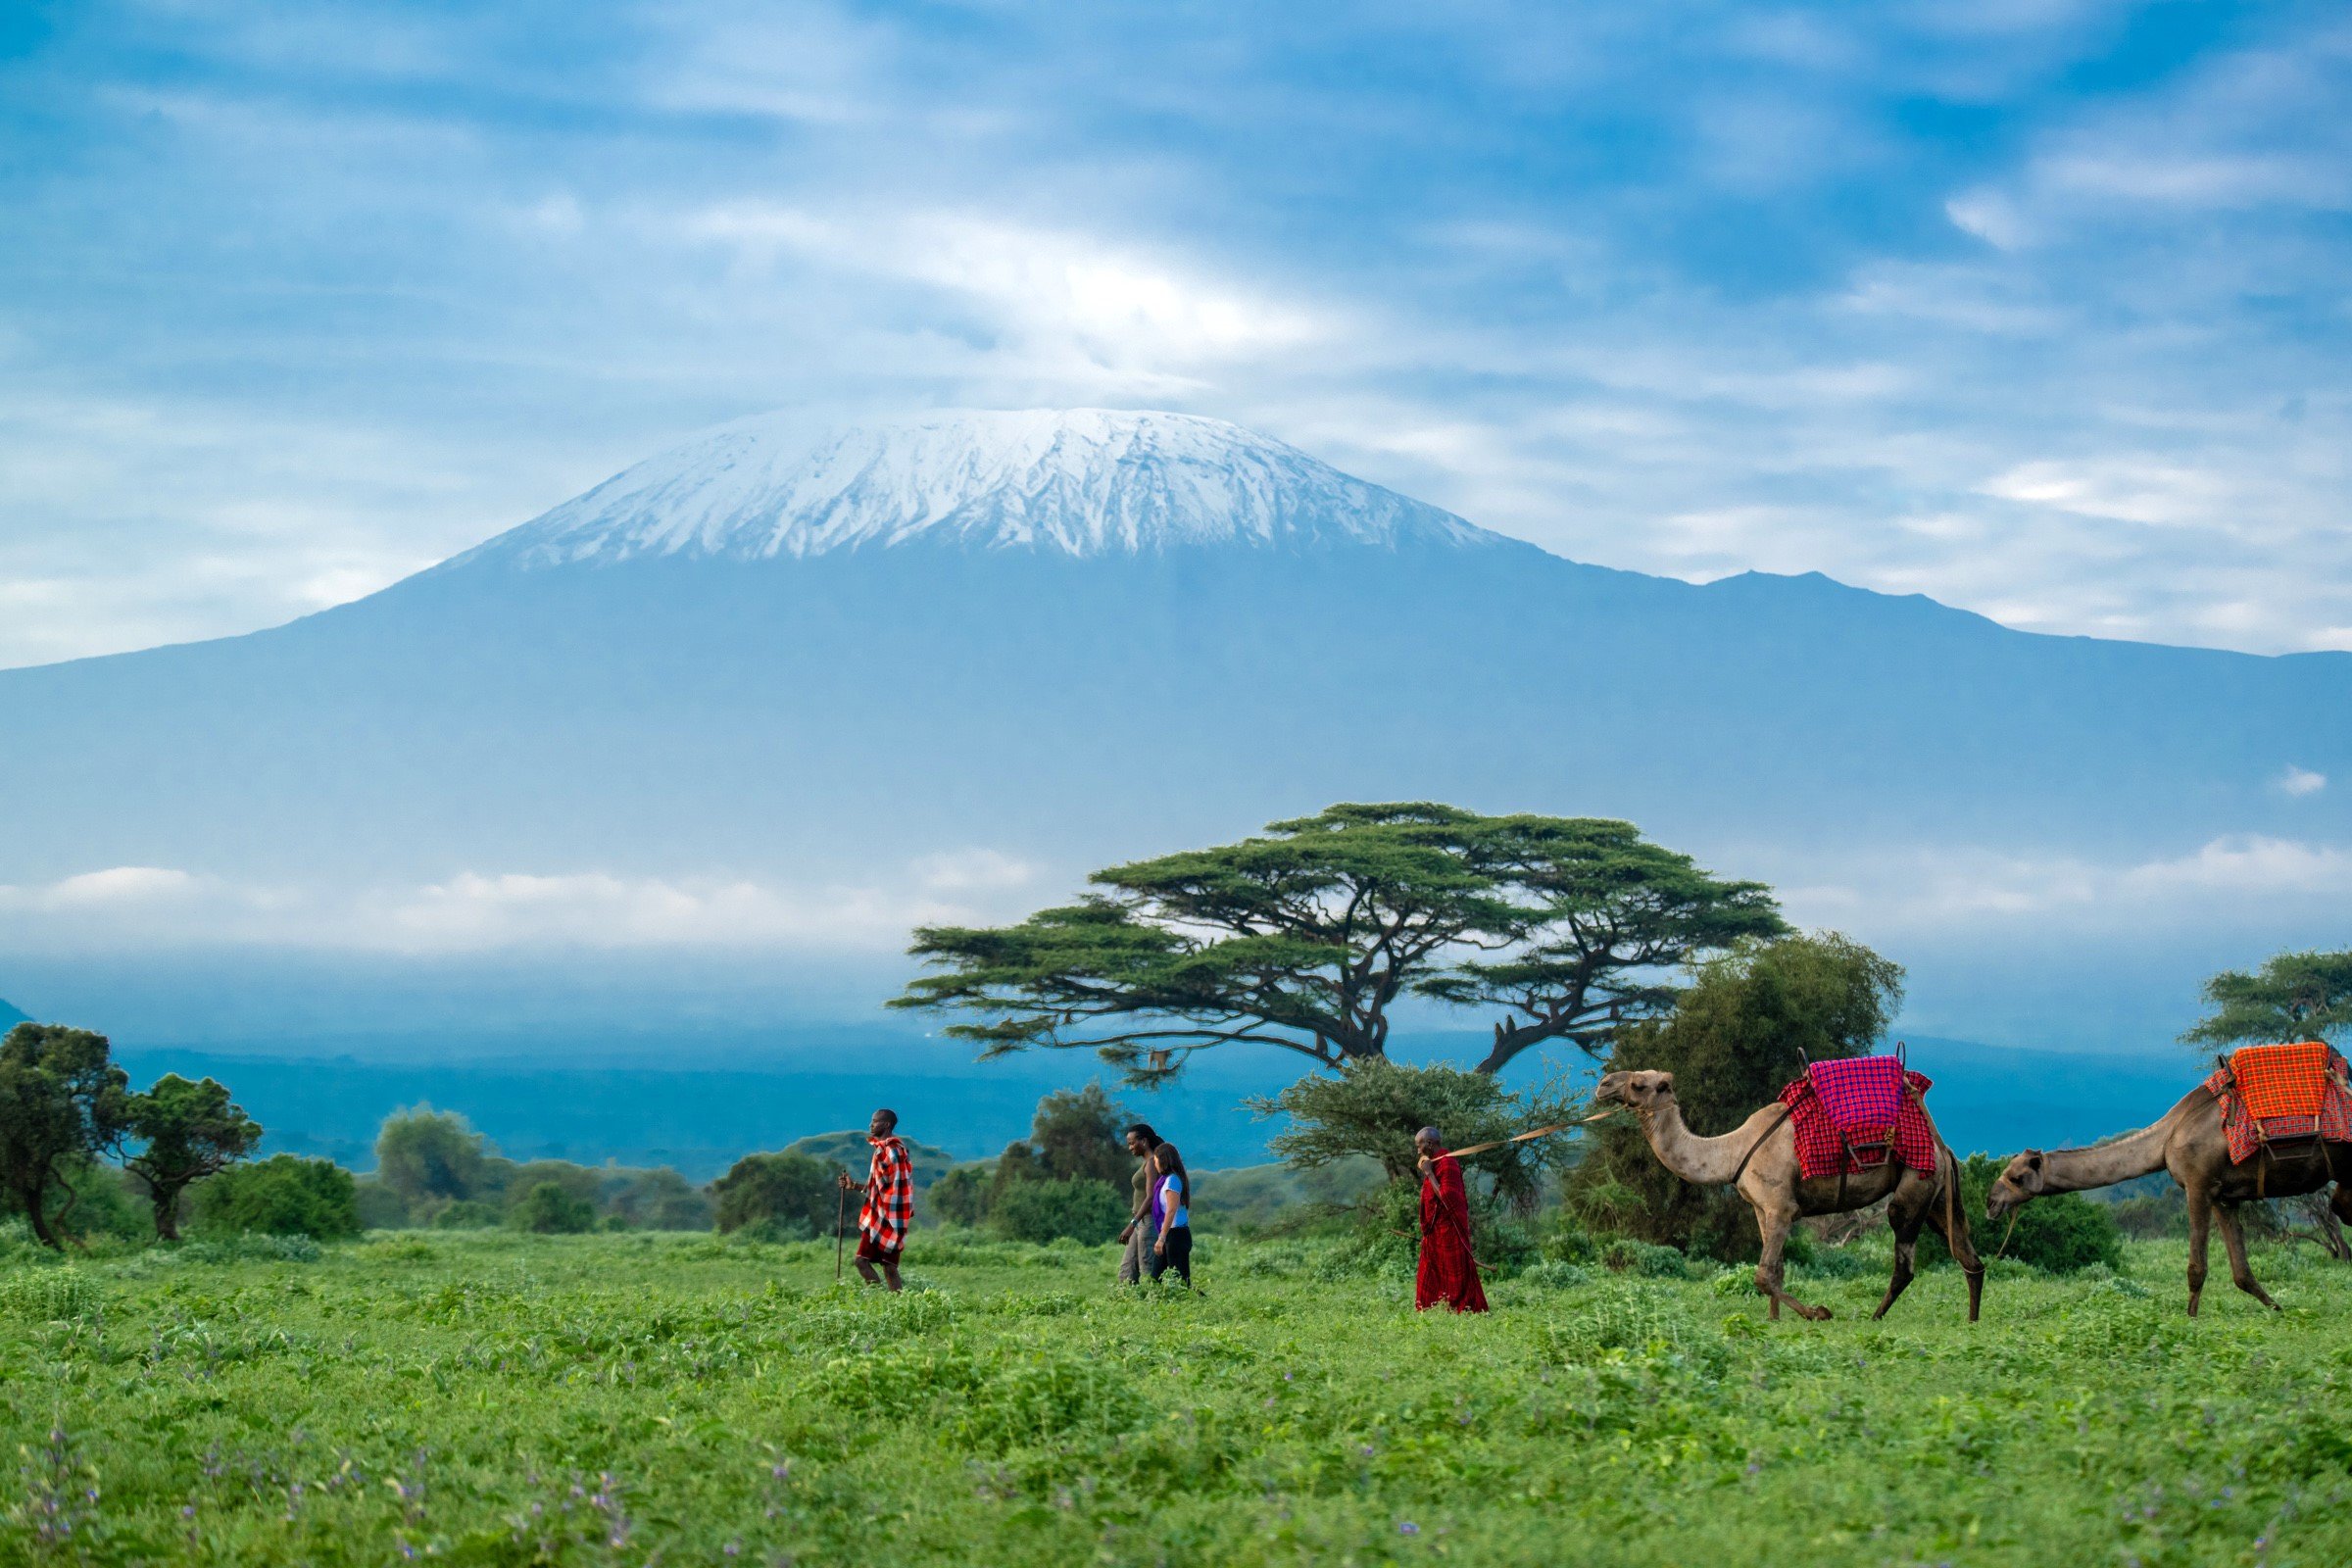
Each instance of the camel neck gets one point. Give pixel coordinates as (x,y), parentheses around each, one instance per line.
(2119,1159)
(1701,1161)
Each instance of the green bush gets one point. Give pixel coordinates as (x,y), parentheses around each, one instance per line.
(1626,1255)
(796,1192)
(284,1195)
(2057,1235)
(1083,1210)
(961,1197)
(49,1296)
(546,1210)
(467,1215)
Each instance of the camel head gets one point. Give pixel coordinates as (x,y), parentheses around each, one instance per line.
(2020,1181)
(1641,1092)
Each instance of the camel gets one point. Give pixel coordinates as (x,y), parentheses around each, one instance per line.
(2190,1141)
(1760,1154)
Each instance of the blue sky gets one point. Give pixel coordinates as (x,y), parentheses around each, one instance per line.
(2043,309)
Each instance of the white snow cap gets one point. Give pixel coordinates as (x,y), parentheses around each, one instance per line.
(1078,482)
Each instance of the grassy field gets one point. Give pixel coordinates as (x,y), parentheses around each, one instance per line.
(635,1398)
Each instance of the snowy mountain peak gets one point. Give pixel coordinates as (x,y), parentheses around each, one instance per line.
(1079,481)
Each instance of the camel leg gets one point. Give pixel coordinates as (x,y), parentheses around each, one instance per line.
(1957,1241)
(2201,1221)
(1906,1223)
(1773,1225)
(2339,1207)
(2241,1273)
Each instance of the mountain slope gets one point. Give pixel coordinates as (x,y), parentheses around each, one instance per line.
(1078,640)
(1088,481)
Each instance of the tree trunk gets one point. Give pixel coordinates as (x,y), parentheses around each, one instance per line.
(167,1218)
(35,1198)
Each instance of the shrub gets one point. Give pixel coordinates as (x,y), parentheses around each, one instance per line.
(961,1197)
(661,1199)
(1626,1255)
(284,1195)
(1373,1107)
(421,1152)
(1552,1275)
(1085,1210)
(2057,1235)
(546,1210)
(48,1296)
(467,1215)
(796,1192)
(381,1208)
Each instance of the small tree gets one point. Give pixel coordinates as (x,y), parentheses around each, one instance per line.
(62,1098)
(424,1153)
(661,1199)
(190,1131)
(284,1195)
(793,1191)
(1374,1107)
(546,1210)
(962,1196)
(1746,1026)
(1084,1209)
(2295,996)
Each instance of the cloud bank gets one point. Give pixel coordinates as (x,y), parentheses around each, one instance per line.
(2035,310)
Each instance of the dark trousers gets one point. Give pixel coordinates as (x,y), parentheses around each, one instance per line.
(1178,1257)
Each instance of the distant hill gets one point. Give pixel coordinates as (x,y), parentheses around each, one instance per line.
(849,1150)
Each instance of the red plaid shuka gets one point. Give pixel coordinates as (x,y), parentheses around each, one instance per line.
(889,1207)
(2288,1091)
(1824,1148)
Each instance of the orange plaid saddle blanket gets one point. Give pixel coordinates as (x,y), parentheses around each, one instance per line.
(2273,1094)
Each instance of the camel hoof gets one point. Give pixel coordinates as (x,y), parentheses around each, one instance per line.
(1819,1314)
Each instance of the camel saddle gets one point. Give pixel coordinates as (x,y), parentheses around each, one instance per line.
(1854,1113)
(2288,1097)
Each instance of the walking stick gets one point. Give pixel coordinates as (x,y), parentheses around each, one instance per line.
(841,1211)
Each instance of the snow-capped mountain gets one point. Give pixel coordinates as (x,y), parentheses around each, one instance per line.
(1070,639)
(1078,483)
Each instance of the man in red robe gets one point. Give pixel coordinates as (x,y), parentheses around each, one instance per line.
(1448,1273)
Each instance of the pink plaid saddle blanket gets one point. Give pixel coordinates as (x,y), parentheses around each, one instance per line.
(1855,1113)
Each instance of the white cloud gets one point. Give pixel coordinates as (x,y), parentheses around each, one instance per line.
(2298,782)
(2226,878)
(1061,292)
(477,912)
(120,884)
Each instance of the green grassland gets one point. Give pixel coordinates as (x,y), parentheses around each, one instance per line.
(631,1399)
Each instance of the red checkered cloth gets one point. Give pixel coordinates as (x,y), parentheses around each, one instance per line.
(1863,1094)
(889,1207)
(2287,1091)
(1824,1149)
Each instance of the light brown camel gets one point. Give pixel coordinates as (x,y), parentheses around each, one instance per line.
(1769,1178)
(2190,1141)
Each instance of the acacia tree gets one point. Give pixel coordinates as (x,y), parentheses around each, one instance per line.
(62,1098)
(1609,915)
(2295,996)
(191,1131)
(1305,938)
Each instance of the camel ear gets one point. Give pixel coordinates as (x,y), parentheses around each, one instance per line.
(2034,1159)
(1666,1082)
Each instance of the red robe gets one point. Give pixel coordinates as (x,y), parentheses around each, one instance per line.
(1448,1273)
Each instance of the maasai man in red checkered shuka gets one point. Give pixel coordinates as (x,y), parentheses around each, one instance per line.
(1448,1273)
(889,1207)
